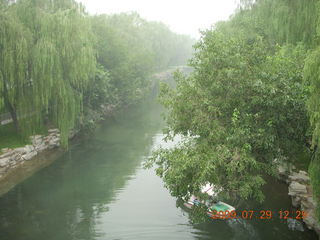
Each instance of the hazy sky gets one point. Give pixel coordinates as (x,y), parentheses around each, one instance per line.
(182,16)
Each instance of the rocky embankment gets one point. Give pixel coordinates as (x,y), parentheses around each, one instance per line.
(12,158)
(301,194)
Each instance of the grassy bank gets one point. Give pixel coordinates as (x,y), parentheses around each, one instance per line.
(9,138)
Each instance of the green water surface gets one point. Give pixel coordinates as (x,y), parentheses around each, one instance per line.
(99,190)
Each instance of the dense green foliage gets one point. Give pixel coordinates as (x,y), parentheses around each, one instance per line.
(56,60)
(248,102)
(131,48)
(46,72)
(252,98)
(242,111)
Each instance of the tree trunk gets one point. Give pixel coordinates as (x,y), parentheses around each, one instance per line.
(11,109)
(14,117)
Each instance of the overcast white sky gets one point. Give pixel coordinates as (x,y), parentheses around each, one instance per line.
(182,16)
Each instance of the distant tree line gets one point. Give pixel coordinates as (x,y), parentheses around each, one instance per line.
(56,60)
(253,99)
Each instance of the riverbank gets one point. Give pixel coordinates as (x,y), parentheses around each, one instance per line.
(12,159)
(90,190)
(46,148)
(41,148)
(300,191)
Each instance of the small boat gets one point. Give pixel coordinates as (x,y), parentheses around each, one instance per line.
(216,210)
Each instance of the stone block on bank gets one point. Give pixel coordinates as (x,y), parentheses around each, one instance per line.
(7,154)
(310,220)
(295,225)
(296,201)
(41,147)
(29,148)
(16,157)
(14,162)
(55,130)
(29,155)
(300,177)
(4,162)
(308,203)
(20,150)
(53,143)
(296,188)
(284,169)
(36,140)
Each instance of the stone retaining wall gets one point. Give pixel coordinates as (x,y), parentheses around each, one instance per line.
(12,158)
(301,194)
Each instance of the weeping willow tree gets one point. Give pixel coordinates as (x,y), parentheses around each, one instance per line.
(312,76)
(14,64)
(280,22)
(49,57)
(50,65)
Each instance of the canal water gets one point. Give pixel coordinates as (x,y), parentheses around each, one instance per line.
(99,190)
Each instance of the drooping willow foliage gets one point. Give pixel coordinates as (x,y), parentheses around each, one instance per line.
(283,21)
(14,61)
(46,73)
(312,78)
(64,60)
(56,61)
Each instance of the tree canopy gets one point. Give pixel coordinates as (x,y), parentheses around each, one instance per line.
(55,59)
(248,102)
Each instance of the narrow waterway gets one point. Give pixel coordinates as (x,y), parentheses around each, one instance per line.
(99,190)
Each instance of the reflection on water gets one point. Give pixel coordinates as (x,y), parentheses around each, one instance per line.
(99,190)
